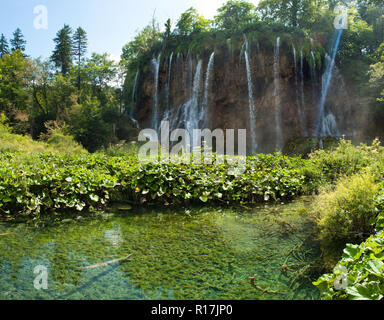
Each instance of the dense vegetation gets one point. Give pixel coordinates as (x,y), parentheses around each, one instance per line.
(92,96)
(74,105)
(348,209)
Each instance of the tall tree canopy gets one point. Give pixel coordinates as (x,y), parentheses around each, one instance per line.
(80,44)
(18,42)
(62,55)
(295,13)
(234,14)
(4,48)
(191,22)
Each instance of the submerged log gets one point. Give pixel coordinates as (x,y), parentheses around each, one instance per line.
(5,234)
(107,263)
(261,289)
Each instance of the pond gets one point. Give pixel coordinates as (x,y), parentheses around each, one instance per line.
(175,253)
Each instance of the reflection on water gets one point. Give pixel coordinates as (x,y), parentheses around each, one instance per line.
(194,253)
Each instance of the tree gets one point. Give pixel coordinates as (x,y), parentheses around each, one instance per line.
(376,81)
(4,49)
(62,55)
(235,14)
(14,79)
(142,43)
(168,27)
(191,22)
(79,50)
(294,13)
(18,42)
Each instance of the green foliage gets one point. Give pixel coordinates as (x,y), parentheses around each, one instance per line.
(4,48)
(234,15)
(56,141)
(346,159)
(40,183)
(50,183)
(346,214)
(62,55)
(18,42)
(191,22)
(14,76)
(294,13)
(361,269)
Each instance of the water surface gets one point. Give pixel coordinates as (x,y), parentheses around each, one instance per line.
(184,253)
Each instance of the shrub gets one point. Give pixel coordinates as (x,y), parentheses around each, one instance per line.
(346,214)
(360,273)
(64,144)
(344,160)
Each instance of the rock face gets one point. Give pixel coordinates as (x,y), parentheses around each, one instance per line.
(285,87)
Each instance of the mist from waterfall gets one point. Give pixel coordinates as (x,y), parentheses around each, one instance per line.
(330,127)
(276,71)
(326,80)
(155,110)
(252,115)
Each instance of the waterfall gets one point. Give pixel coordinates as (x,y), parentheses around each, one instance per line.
(169,80)
(276,71)
(302,95)
(203,111)
(252,115)
(299,103)
(329,126)
(155,111)
(133,107)
(326,80)
(190,114)
(189,77)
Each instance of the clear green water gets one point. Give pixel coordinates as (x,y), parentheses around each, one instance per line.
(194,253)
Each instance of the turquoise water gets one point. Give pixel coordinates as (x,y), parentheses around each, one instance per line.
(184,253)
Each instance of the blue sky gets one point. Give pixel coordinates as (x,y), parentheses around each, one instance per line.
(109,24)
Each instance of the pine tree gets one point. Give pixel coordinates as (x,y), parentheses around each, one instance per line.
(79,50)
(4,49)
(18,42)
(62,55)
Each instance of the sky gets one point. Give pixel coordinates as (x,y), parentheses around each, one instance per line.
(110,24)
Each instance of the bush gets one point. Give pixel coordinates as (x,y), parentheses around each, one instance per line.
(344,160)
(41,183)
(346,214)
(360,273)
(64,144)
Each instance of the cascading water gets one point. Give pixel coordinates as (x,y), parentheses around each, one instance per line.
(189,75)
(169,80)
(329,126)
(204,108)
(252,114)
(155,111)
(276,71)
(302,95)
(299,104)
(190,114)
(133,107)
(326,80)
